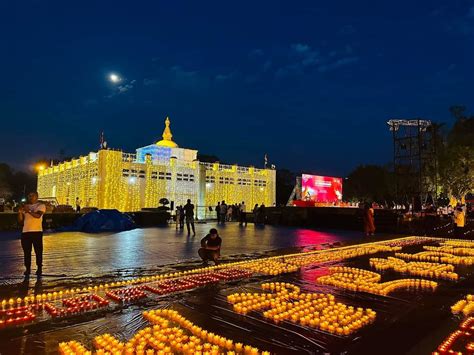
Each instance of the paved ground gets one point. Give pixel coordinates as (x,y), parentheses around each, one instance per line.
(80,254)
(421,320)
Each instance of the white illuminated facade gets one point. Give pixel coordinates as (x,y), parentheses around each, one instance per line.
(130,182)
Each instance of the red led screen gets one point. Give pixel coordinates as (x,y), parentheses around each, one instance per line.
(321,188)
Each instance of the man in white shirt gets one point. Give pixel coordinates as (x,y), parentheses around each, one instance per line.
(31,215)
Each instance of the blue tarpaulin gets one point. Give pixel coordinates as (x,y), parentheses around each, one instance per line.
(102,221)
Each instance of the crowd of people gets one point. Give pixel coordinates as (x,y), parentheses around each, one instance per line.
(231,213)
(224,212)
(238,212)
(30,215)
(432,217)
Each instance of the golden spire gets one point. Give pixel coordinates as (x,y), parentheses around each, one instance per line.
(167,136)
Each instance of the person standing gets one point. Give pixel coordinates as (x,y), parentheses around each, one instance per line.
(218,211)
(189,216)
(223,211)
(178,217)
(229,213)
(431,218)
(242,214)
(31,215)
(210,247)
(181,217)
(78,205)
(261,214)
(459,221)
(255,214)
(369,223)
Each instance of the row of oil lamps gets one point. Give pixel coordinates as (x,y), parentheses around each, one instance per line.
(450,249)
(410,241)
(76,305)
(223,274)
(314,310)
(339,254)
(202,337)
(415,268)
(464,306)
(171,333)
(366,281)
(463,335)
(127,294)
(459,243)
(270,266)
(18,315)
(190,282)
(439,257)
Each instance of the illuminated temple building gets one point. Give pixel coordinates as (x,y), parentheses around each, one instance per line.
(129,182)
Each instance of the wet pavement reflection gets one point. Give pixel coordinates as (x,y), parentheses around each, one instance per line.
(78,259)
(75,254)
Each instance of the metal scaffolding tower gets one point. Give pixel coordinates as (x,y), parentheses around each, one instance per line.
(414,159)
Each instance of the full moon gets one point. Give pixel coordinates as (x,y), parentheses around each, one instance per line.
(114,78)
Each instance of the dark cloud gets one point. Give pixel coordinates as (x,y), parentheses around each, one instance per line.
(150,81)
(256,53)
(337,64)
(300,48)
(267,65)
(347,30)
(310,67)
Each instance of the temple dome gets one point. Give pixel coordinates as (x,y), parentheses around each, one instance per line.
(167,140)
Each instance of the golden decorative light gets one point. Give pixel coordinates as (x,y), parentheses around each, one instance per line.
(464,306)
(314,310)
(113,179)
(367,281)
(171,333)
(414,268)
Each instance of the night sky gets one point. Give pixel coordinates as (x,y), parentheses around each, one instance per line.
(310,83)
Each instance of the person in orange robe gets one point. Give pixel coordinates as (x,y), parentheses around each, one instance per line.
(369,223)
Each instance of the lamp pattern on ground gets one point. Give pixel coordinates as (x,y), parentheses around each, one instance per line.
(450,249)
(171,333)
(162,285)
(286,302)
(76,305)
(339,254)
(438,257)
(187,283)
(129,294)
(462,337)
(461,243)
(360,280)
(415,268)
(464,306)
(18,315)
(461,340)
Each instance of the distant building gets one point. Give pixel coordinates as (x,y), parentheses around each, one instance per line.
(129,182)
